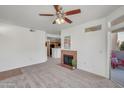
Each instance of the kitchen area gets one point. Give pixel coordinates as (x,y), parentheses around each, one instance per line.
(53,45)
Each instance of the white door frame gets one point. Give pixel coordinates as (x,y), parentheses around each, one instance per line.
(109,54)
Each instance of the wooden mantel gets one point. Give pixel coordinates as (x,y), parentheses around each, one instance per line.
(68,52)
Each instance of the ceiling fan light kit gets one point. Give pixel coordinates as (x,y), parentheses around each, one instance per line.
(60,21)
(61,15)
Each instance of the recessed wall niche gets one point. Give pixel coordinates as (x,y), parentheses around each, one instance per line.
(67,42)
(93,28)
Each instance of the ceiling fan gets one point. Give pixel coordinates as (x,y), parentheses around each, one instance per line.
(61,15)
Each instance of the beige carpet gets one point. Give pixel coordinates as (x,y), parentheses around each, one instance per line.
(50,74)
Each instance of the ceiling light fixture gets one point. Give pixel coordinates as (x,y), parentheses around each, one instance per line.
(60,21)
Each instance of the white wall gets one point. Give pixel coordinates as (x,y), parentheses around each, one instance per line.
(91,47)
(19,47)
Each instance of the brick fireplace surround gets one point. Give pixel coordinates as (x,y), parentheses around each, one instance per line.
(70,53)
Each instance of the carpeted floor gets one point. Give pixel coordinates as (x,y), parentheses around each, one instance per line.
(50,74)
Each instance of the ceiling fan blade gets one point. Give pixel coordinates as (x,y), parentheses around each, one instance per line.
(72,12)
(57,8)
(46,14)
(67,20)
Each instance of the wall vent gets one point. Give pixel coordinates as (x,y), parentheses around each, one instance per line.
(93,28)
(117,21)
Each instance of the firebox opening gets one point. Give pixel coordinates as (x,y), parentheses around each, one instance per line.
(68,59)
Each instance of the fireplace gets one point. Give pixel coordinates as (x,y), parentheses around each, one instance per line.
(67,56)
(68,59)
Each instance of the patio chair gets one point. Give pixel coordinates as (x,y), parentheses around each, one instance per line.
(115,62)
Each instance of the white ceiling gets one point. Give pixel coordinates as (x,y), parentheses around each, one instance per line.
(27,15)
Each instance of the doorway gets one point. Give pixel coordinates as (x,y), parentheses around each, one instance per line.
(52,43)
(117,57)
